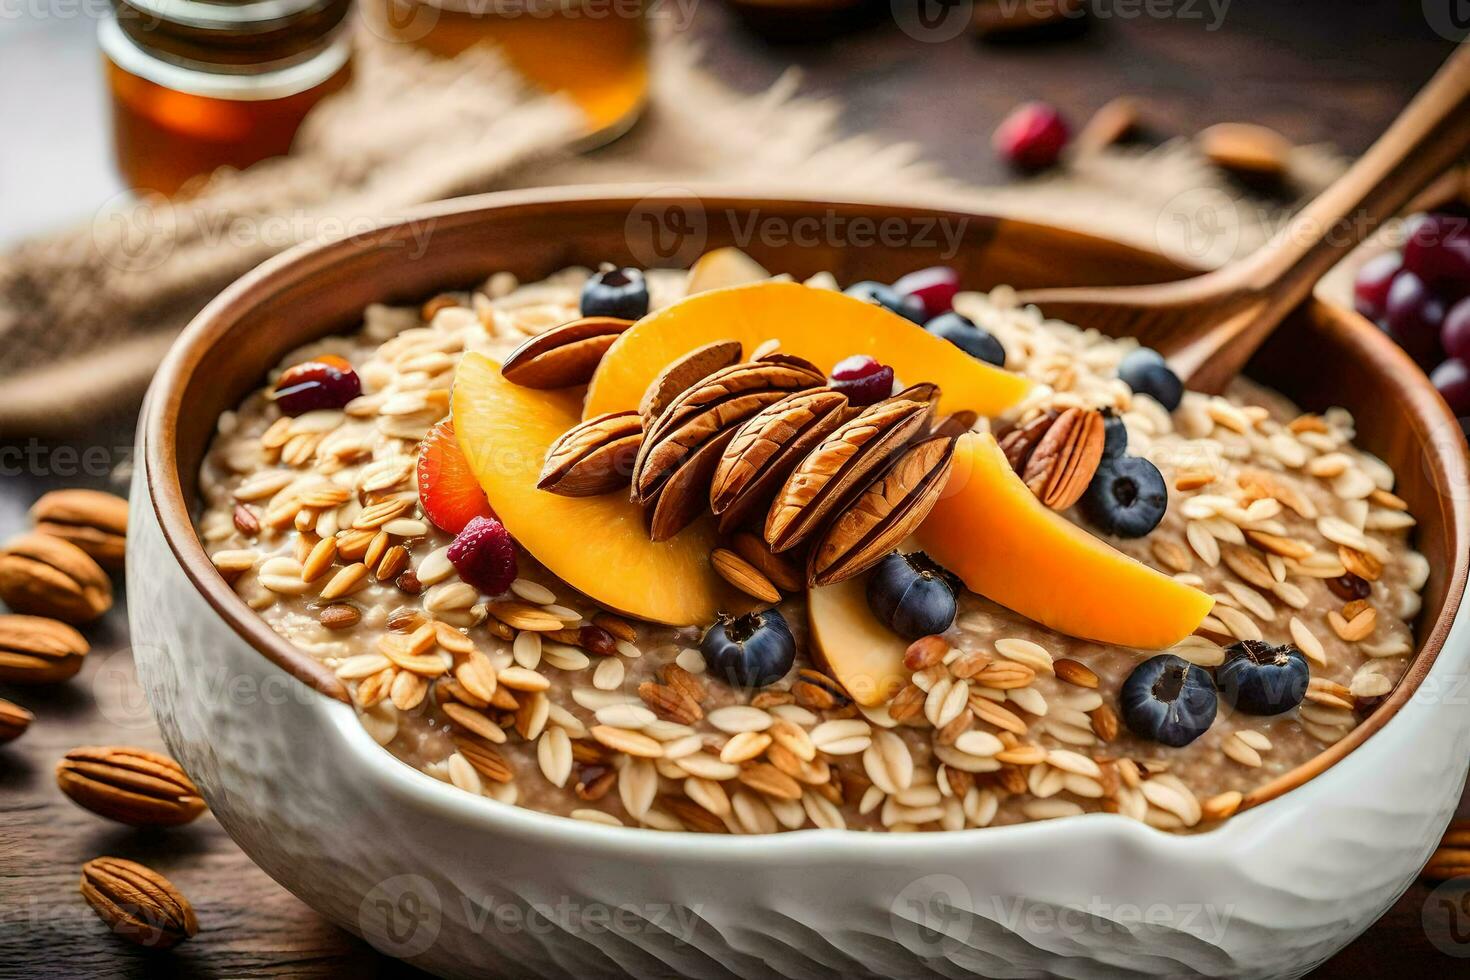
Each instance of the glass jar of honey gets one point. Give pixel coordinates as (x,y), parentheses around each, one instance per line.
(593,51)
(201,84)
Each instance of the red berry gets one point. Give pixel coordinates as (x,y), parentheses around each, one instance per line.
(484,554)
(862,379)
(327,381)
(933,287)
(1452,380)
(448,491)
(1031,137)
(1370,287)
(1455,334)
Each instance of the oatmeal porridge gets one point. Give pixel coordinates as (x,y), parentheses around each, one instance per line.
(1016,575)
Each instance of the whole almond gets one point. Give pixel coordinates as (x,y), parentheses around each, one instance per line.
(743,575)
(47,576)
(684,374)
(137,903)
(94,521)
(563,356)
(782,573)
(131,786)
(34,650)
(14,720)
(1246,149)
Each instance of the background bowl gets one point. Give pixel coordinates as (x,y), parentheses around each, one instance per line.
(464,886)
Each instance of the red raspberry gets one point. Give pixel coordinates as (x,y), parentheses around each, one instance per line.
(484,554)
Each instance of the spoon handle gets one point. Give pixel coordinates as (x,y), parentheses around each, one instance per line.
(1423,142)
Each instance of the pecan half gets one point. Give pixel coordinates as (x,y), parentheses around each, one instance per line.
(767,448)
(841,466)
(137,903)
(34,650)
(594,457)
(680,454)
(885,513)
(563,356)
(131,786)
(1021,441)
(94,521)
(51,577)
(684,374)
(1064,461)
(14,720)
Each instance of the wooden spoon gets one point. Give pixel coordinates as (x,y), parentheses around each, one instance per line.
(1208,326)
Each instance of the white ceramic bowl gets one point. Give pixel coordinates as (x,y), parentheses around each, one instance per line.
(464,886)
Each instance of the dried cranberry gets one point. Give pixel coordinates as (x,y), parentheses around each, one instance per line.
(934,287)
(484,554)
(327,381)
(862,379)
(1032,137)
(1348,587)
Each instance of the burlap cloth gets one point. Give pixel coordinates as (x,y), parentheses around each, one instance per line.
(86,315)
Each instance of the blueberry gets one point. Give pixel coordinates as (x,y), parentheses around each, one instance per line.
(622,293)
(1115,435)
(1145,371)
(1127,497)
(911,595)
(1260,679)
(1167,699)
(961,331)
(749,651)
(909,307)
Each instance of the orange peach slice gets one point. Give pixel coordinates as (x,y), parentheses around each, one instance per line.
(862,654)
(992,532)
(820,325)
(597,545)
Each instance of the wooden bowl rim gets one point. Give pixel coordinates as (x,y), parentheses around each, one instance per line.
(164,403)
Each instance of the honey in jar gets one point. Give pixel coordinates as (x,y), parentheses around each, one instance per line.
(593,51)
(198,85)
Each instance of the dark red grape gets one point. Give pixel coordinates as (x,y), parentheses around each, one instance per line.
(1370,288)
(1412,316)
(1452,380)
(1455,334)
(327,381)
(1438,251)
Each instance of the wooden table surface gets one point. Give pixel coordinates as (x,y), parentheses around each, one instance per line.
(1324,71)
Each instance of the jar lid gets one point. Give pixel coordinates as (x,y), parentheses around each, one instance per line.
(232,36)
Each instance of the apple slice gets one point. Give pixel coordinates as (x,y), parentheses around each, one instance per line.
(864,656)
(992,532)
(597,545)
(723,267)
(820,325)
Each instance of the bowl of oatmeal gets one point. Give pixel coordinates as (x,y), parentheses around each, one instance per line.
(795,604)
